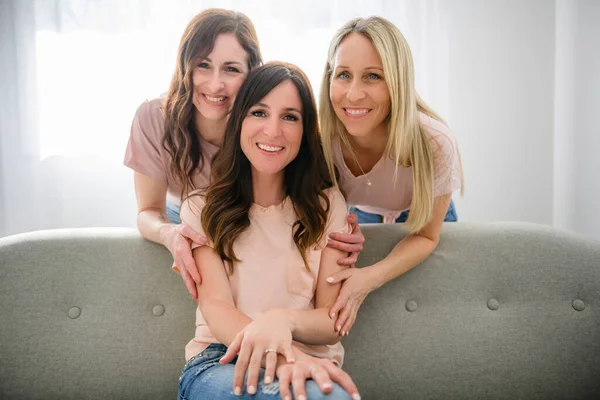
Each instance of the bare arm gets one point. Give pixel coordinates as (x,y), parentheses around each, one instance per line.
(154,225)
(317,326)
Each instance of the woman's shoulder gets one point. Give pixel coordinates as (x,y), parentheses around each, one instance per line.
(151,110)
(439,134)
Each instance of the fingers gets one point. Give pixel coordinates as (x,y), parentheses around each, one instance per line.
(342,318)
(254,369)
(352,238)
(288,353)
(344,244)
(340,302)
(241,366)
(340,276)
(184,254)
(189,283)
(233,349)
(284,374)
(321,377)
(353,221)
(340,377)
(299,382)
(270,365)
(191,234)
(350,260)
(350,320)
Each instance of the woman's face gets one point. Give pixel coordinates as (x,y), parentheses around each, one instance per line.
(272,131)
(358,91)
(219,76)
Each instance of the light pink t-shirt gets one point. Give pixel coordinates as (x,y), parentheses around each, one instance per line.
(146,154)
(387,196)
(271,273)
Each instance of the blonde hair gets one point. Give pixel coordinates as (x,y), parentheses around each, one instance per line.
(407,144)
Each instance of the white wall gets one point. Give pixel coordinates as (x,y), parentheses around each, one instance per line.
(586,132)
(501,107)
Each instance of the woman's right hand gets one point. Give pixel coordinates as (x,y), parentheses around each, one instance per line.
(178,239)
(322,371)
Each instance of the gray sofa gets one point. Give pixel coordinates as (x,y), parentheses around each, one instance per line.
(499,311)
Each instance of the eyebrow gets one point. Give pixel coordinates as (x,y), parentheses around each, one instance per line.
(226,62)
(287,109)
(345,67)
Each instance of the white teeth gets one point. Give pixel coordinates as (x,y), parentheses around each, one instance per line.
(214,99)
(269,148)
(361,111)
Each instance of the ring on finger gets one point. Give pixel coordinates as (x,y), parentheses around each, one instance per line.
(267,351)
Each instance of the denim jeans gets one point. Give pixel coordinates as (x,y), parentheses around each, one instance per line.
(173,213)
(204,378)
(369,218)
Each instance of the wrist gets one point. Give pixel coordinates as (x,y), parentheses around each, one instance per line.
(164,231)
(373,277)
(285,316)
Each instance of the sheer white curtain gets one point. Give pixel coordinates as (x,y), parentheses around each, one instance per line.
(74,72)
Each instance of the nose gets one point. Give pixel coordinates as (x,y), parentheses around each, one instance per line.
(272,127)
(355,91)
(216,83)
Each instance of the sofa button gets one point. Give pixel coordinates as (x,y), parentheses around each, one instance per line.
(74,312)
(493,304)
(578,305)
(411,306)
(158,310)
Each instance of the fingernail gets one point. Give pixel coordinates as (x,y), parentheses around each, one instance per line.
(338,328)
(302,397)
(356,396)
(332,315)
(268,380)
(343,333)
(286,397)
(326,386)
(330,279)
(346,333)
(251,389)
(291,360)
(237,391)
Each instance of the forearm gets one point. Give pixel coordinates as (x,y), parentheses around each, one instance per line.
(407,254)
(312,326)
(224,320)
(152,224)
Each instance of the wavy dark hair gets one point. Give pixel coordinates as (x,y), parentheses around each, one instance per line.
(230,194)
(181,135)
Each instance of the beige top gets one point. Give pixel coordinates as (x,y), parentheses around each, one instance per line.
(388,196)
(146,154)
(271,273)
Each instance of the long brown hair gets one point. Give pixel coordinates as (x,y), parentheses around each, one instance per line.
(230,194)
(181,135)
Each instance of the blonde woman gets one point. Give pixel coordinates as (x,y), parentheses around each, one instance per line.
(397,160)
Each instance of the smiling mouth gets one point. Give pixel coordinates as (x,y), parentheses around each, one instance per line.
(214,99)
(357,112)
(269,148)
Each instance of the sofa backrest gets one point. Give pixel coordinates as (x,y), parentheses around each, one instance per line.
(497,311)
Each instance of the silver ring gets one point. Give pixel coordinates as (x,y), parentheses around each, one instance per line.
(267,351)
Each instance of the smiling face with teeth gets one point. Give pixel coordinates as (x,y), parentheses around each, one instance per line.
(218,77)
(358,91)
(272,130)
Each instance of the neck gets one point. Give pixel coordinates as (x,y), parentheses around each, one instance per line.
(373,143)
(267,188)
(212,131)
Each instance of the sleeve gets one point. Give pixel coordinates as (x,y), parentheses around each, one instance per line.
(446,161)
(337,217)
(143,153)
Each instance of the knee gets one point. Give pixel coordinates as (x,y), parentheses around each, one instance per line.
(313,392)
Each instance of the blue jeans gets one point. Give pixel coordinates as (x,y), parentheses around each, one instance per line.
(204,378)
(369,218)
(173,213)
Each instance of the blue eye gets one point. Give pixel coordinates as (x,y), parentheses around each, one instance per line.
(373,76)
(343,75)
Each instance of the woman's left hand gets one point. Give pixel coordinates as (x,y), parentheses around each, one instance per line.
(265,337)
(357,284)
(351,243)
